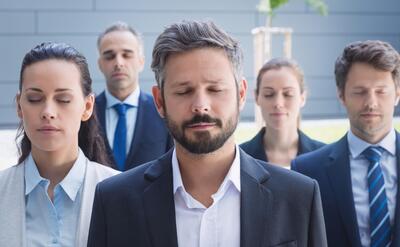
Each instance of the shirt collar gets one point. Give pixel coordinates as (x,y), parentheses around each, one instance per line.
(233,175)
(32,176)
(70,184)
(74,179)
(357,145)
(132,99)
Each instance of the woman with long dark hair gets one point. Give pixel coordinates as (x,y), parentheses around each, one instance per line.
(46,199)
(280,93)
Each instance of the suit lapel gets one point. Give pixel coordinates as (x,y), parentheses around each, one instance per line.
(396,228)
(101,103)
(256,201)
(338,172)
(139,128)
(159,203)
(304,145)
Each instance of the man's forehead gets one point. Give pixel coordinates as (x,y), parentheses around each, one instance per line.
(119,40)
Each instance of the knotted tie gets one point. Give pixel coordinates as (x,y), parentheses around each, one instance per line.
(380,229)
(119,148)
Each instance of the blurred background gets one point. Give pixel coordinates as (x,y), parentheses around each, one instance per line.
(316,42)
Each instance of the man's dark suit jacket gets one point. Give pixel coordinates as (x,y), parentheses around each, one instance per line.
(278,207)
(330,166)
(255,147)
(151,138)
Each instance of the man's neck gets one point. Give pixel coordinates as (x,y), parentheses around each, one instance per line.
(203,174)
(123,93)
(368,137)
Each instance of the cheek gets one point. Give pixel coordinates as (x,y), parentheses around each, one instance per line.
(294,103)
(71,117)
(28,114)
(265,104)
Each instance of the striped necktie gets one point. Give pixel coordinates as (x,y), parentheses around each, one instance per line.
(380,229)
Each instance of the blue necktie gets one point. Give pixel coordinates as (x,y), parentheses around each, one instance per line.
(380,229)
(119,148)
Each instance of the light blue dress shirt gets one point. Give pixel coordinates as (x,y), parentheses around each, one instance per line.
(53,223)
(112,116)
(359,169)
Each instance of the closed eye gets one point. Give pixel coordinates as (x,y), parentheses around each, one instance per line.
(215,90)
(183,92)
(34,100)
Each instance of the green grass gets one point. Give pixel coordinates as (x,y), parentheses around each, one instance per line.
(327,131)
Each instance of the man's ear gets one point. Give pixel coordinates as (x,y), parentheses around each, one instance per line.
(242,92)
(158,100)
(141,62)
(397,96)
(340,95)
(99,63)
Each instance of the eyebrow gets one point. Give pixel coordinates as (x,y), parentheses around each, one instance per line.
(112,51)
(40,90)
(188,82)
(271,88)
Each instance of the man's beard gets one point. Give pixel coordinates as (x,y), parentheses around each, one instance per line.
(203,142)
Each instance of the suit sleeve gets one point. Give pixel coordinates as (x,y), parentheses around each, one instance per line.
(317,233)
(293,165)
(97,230)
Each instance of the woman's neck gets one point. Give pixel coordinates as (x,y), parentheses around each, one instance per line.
(54,165)
(280,139)
(281,146)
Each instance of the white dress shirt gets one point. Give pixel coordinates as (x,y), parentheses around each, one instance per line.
(216,226)
(359,169)
(112,116)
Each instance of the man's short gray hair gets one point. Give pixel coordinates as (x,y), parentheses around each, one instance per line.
(189,35)
(122,26)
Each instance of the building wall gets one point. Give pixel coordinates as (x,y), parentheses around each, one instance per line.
(317,41)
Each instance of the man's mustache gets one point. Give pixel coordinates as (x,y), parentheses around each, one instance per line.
(204,118)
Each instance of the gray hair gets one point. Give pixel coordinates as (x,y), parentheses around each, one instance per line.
(189,35)
(122,26)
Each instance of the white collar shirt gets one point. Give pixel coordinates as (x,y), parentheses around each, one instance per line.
(112,116)
(215,226)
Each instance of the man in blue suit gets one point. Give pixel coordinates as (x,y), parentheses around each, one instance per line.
(206,191)
(358,175)
(132,129)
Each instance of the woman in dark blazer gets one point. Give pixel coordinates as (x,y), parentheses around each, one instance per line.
(280,93)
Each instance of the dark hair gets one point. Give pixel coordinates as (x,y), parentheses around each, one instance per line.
(122,26)
(381,55)
(89,138)
(277,63)
(189,35)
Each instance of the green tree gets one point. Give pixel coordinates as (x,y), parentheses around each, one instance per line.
(268,7)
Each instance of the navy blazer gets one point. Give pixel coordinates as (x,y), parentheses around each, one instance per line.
(255,147)
(278,207)
(330,166)
(150,139)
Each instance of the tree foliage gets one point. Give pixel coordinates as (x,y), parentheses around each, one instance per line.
(269,6)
